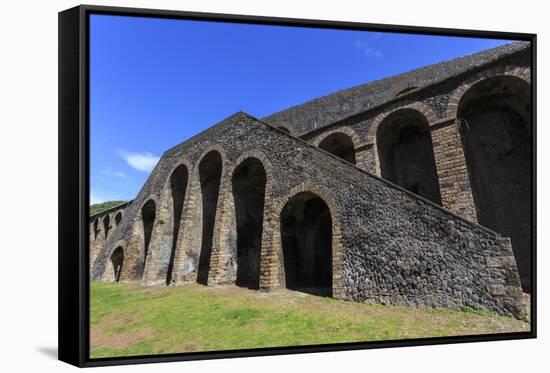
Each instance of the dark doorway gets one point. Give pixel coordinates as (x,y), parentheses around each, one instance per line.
(148,217)
(106,225)
(118,218)
(306,234)
(406,155)
(96,228)
(340,145)
(495,121)
(178,185)
(210,172)
(117,259)
(248,183)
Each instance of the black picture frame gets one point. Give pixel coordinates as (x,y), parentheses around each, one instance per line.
(74,184)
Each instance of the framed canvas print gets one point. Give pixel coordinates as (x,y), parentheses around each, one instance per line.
(235,186)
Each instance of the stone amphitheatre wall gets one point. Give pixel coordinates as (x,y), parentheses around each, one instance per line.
(385,244)
(446,126)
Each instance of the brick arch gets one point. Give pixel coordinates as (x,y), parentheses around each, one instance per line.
(222,259)
(118,213)
(222,264)
(108,275)
(189,242)
(142,227)
(421,107)
(154,271)
(254,154)
(107,225)
(427,112)
(357,142)
(95,228)
(522,73)
(215,147)
(196,192)
(183,161)
(275,259)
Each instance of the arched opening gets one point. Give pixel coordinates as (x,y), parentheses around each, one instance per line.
(178,186)
(284,129)
(117,259)
(340,145)
(106,225)
(118,218)
(248,183)
(210,172)
(148,217)
(306,236)
(96,228)
(495,120)
(405,153)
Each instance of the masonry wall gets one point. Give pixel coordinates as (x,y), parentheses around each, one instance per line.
(437,103)
(388,245)
(97,228)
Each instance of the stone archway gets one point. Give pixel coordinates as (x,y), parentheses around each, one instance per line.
(106,226)
(148,214)
(118,218)
(95,228)
(248,186)
(341,145)
(405,153)
(306,238)
(117,260)
(210,172)
(178,187)
(494,116)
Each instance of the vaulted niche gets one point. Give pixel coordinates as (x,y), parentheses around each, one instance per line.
(340,145)
(248,183)
(118,218)
(405,153)
(178,186)
(106,225)
(210,172)
(96,228)
(495,120)
(148,218)
(117,259)
(306,235)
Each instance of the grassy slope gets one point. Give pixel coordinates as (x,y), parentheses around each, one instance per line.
(99,207)
(134,320)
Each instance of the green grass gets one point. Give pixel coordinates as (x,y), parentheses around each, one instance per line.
(129,320)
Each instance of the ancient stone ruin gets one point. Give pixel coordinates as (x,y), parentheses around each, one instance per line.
(412,190)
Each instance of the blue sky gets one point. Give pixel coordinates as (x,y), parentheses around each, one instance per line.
(156,82)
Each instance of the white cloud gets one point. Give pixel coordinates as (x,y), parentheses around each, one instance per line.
(144,162)
(366,50)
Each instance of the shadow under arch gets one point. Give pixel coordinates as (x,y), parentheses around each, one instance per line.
(249,186)
(306,243)
(210,172)
(494,117)
(405,153)
(117,261)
